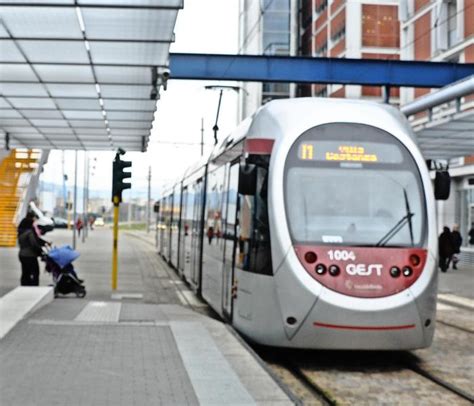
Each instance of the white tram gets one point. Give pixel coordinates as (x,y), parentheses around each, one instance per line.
(312,225)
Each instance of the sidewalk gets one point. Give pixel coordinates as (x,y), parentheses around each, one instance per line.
(148,351)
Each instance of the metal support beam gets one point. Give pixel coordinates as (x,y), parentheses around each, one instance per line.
(454,91)
(317,70)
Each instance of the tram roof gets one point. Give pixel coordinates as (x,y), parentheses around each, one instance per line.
(80,74)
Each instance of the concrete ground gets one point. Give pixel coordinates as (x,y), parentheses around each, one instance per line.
(147,343)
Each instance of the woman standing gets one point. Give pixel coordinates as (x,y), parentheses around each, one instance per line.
(30,248)
(446,248)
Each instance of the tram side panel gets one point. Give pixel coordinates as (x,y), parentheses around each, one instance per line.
(256,309)
(213,241)
(188,213)
(159,225)
(198,203)
(184,236)
(175,221)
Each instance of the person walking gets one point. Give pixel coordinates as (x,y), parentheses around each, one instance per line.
(30,248)
(446,248)
(79,226)
(457,242)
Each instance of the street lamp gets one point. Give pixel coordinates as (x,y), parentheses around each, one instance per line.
(221,89)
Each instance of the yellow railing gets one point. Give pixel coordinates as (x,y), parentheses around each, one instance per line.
(12,167)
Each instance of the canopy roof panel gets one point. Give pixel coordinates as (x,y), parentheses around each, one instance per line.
(448,137)
(83,74)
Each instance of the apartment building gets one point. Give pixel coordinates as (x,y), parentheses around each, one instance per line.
(264,29)
(350,29)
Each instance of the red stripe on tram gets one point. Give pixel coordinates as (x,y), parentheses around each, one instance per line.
(343,327)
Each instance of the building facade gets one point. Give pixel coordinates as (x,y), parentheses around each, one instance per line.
(423,30)
(264,29)
(349,29)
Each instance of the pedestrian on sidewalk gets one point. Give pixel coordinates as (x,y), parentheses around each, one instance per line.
(31,243)
(457,242)
(446,248)
(79,226)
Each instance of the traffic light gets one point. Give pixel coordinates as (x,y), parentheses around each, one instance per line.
(118,175)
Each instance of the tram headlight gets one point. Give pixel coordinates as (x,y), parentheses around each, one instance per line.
(407,271)
(395,271)
(310,257)
(334,270)
(320,269)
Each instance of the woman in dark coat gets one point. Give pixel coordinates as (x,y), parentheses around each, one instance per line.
(457,242)
(446,248)
(30,249)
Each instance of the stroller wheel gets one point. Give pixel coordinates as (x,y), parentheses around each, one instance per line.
(81,293)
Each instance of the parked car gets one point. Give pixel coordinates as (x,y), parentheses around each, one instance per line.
(99,222)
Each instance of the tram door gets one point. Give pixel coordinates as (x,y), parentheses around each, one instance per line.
(230,235)
(196,233)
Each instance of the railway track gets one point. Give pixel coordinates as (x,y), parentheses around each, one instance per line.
(347,378)
(333,378)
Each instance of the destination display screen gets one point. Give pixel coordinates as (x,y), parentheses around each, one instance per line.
(341,151)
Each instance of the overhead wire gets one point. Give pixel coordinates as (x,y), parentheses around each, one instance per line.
(437,24)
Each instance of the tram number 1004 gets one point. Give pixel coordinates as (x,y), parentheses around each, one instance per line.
(341,255)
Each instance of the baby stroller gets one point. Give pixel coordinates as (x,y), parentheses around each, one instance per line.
(59,265)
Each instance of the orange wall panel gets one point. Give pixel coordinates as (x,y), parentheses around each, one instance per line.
(468,18)
(380,26)
(338,21)
(419,4)
(336,4)
(469,54)
(421,92)
(339,93)
(338,49)
(423,38)
(377,90)
(321,20)
(320,40)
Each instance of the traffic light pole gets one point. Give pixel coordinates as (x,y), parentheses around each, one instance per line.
(118,185)
(115,246)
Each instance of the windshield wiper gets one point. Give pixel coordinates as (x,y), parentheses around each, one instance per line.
(397,227)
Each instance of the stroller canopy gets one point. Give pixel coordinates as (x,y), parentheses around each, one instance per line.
(63,256)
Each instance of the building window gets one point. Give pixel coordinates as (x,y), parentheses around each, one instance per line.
(452,23)
(321,51)
(380,26)
(339,34)
(321,5)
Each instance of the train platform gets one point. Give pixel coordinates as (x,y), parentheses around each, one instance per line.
(149,342)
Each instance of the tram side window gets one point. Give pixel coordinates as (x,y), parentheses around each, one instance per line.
(254,251)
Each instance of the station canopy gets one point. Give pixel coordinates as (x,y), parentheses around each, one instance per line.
(448,136)
(83,74)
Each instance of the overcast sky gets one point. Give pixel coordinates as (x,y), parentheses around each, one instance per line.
(203,26)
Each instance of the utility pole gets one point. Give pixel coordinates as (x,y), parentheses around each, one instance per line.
(84,209)
(202,136)
(75,202)
(148,201)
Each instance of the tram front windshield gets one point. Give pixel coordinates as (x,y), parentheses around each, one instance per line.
(353,184)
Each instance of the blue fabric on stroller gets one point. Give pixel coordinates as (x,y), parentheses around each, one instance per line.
(59,264)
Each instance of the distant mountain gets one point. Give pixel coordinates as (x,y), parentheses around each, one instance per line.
(135,192)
